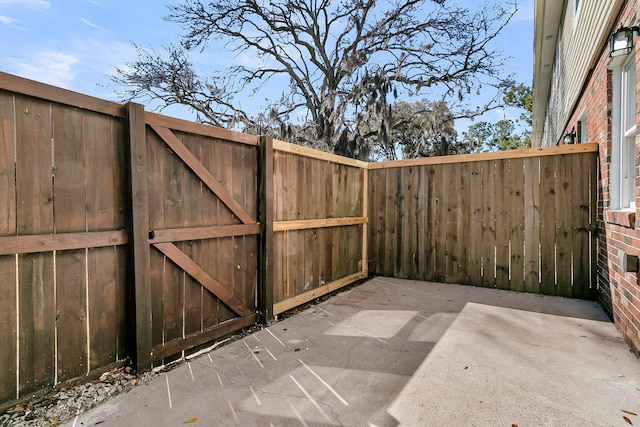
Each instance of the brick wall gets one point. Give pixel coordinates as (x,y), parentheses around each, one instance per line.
(619,231)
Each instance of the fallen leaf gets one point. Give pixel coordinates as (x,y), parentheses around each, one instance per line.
(514,425)
(630,413)
(627,420)
(191,421)
(56,421)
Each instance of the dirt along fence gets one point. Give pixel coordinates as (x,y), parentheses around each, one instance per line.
(127,235)
(522,220)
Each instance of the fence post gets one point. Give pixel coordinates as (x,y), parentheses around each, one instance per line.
(265,195)
(139,290)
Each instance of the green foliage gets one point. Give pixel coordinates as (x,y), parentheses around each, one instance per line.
(504,134)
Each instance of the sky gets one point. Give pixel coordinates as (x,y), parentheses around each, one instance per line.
(77,44)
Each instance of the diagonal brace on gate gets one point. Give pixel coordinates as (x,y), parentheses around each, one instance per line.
(209,180)
(194,270)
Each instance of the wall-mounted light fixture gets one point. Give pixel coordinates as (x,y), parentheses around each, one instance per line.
(621,41)
(569,138)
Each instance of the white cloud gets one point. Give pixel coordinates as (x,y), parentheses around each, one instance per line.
(91,24)
(52,67)
(40,5)
(7,20)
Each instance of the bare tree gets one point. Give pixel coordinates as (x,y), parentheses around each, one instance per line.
(339,63)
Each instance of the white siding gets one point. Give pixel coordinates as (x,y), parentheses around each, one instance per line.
(582,43)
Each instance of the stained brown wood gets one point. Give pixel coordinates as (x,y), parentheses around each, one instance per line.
(195,339)
(8,306)
(303,224)
(176,145)
(215,287)
(490,156)
(44,91)
(548,225)
(516,204)
(203,233)
(104,180)
(564,226)
(502,224)
(532,225)
(139,203)
(34,215)
(475,224)
(60,242)
(158,120)
(70,216)
(488,247)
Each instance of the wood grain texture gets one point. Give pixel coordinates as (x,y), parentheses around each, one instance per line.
(8,285)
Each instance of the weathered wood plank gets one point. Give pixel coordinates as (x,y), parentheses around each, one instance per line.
(304,224)
(475,224)
(564,225)
(517,224)
(198,338)
(194,164)
(103,180)
(69,205)
(491,156)
(548,167)
(581,223)
(501,209)
(488,246)
(63,96)
(158,120)
(8,303)
(60,242)
(431,212)
(34,196)
(195,271)
(300,150)
(532,225)
(391,223)
(140,220)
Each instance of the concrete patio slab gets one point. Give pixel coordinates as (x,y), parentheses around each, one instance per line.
(393,352)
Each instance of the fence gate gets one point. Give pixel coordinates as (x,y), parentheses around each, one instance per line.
(194,191)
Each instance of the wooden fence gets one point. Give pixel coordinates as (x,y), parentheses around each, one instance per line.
(320,224)
(129,235)
(523,220)
(62,235)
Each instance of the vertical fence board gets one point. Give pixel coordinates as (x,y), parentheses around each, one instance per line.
(268,281)
(564,227)
(580,211)
(532,224)
(432,232)
(8,307)
(193,201)
(391,222)
(548,167)
(502,211)
(103,180)
(475,224)
(35,216)
(140,221)
(70,216)
(488,246)
(440,225)
(517,224)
